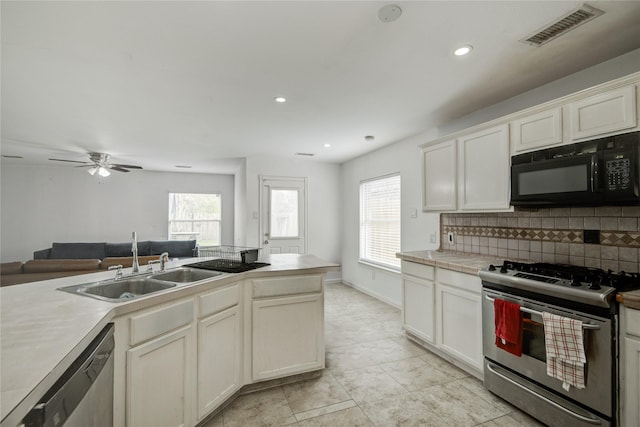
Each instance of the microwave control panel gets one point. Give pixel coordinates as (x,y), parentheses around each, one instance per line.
(619,171)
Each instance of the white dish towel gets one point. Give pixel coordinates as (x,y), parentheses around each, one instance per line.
(564,346)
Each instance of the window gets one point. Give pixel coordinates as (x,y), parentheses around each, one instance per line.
(380,221)
(195,216)
(284,214)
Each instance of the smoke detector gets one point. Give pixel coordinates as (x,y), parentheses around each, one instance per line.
(583,14)
(389,13)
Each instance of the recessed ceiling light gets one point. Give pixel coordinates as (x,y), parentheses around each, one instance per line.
(369,138)
(327,145)
(463,50)
(280,99)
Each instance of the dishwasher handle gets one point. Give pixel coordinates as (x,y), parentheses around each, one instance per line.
(68,391)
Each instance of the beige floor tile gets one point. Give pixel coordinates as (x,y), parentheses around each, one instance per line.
(214,422)
(348,357)
(325,410)
(415,373)
(402,411)
(513,420)
(475,386)
(262,408)
(369,384)
(352,417)
(316,393)
(443,366)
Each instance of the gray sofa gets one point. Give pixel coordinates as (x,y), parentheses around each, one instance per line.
(101,250)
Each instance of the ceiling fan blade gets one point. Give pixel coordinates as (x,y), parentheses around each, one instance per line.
(126,166)
(117,168)
(70,161)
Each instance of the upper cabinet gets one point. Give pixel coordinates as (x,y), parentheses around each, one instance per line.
(611,111)
(439,171)
(484,169)
(537,130)
(469,174)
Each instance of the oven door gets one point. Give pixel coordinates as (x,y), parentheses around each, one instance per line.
(571,180)
(599,369)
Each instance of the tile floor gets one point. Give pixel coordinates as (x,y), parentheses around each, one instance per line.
(374,377)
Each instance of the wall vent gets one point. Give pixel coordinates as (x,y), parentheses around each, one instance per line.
(305,154)
(584,13)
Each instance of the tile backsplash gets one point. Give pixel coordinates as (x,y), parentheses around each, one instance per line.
(555,235)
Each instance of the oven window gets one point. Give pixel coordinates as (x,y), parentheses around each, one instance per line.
(533,337)
(558,180)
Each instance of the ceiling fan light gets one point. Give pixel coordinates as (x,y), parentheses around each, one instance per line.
(103,171)
(92,171)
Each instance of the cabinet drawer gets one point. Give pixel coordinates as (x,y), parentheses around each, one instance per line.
(418,270)
(286,286)
(158,321)
(464,281)
(218,300)
(632,321)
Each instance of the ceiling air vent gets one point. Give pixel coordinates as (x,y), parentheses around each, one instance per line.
(565,24)
(305,154)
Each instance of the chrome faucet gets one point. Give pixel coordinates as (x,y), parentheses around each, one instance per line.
(134,249)
(163,258)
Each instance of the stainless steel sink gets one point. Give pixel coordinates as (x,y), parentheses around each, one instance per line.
(120,290)
(185,275)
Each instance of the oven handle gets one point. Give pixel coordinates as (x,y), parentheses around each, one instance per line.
(539,313)
(547,400)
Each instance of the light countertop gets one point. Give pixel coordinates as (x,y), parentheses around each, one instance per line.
(462,262)
(42,330)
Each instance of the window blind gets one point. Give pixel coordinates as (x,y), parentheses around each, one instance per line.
(380,221)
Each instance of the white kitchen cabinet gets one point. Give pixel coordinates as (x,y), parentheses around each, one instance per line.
(219,348)
(439,189)
(459,316)
(536,131)
(159,380)
(288,331)
(483,175)
(630,367)
(611,111)
(418,305)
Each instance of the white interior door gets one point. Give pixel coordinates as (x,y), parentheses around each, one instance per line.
(283,225)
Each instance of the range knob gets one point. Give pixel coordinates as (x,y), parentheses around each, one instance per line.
(492,267)
(596,284)
(503,269)
(575,281)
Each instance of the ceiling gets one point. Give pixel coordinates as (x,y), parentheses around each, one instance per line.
(160,84)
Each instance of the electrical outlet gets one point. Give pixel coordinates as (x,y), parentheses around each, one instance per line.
(373,275)
(450,238)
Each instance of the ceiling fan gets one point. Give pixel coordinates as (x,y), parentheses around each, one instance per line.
(99,162)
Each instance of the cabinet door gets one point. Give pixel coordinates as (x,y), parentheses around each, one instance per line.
(631,382)
(288,336)
(439,191)
(484,169)
(460,324)
(607,112)
(218,359)
(537,130)
(418,308)
(159,381)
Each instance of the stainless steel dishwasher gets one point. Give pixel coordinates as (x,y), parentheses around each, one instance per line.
(83,396)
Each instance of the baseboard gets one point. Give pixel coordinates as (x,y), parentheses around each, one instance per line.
(371,294)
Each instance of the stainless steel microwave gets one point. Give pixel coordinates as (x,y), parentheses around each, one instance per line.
(604,171)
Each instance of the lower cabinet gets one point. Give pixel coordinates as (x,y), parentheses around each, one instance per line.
(288,336)
(159,380)
(630,367)
(219,359)
(459,323)
(443,309)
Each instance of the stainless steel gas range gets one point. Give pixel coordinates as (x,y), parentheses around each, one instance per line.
(579,293)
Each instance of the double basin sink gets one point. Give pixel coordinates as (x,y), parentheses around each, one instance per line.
(127,288)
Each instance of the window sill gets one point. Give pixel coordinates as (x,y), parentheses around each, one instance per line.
(380,267)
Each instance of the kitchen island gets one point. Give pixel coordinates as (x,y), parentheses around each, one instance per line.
(43,329)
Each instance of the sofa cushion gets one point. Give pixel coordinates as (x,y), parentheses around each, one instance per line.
(42,254)
(51,265)
(127,261)
(176,248)
(11,268)
(78,250)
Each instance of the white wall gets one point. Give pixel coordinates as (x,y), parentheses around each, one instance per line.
(323,210)
(404,157)
(45,204)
